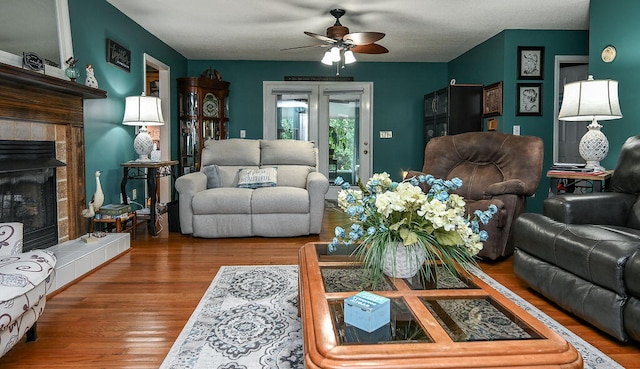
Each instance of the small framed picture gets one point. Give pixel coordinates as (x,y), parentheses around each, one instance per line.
(529,99)
(492,100)
(492,124)
(530,62)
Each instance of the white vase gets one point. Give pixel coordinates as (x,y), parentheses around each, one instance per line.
(402,261)
(98,197)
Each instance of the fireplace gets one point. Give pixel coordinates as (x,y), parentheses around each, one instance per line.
(28,190)
(36,108)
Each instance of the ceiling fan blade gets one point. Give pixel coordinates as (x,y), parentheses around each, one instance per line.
(320,37)
(370,49)
(362,38)
(303,47)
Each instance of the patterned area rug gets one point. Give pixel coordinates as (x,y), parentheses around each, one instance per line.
(248,319)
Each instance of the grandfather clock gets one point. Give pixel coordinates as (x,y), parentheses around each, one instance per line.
(203,115)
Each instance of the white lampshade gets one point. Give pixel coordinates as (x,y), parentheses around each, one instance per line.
(591,100)
(349,57)
(327,58)
(586,100)
(143,111)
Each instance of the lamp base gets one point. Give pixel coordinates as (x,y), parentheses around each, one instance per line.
(143,144)
(594,146)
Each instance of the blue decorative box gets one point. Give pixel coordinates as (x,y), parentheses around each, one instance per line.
(367,311)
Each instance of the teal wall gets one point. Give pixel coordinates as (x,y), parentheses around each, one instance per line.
(398,87)
(398,91)
(615,22)
(497,60)
(109,143)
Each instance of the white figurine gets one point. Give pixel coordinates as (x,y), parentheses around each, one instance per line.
(91,79)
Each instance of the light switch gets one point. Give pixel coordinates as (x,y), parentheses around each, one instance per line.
(516,130)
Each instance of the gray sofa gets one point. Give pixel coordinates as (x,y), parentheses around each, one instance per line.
(584,252)
(212,203)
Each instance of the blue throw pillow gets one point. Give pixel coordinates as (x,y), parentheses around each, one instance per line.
(213,178)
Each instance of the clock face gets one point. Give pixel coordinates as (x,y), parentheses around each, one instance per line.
(210,106)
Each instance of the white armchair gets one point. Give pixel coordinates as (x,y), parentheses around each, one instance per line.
(25,279)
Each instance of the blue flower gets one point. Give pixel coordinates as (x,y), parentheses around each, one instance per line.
(338,181)
(340,232)
(393,186)
(457,182)
(475,227)
(371,231)
(351,210)
(345,186)
(414,181)
(493,209)
(483,235)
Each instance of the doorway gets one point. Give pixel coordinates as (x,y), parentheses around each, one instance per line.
(567,134)
(157,83)
(338,117)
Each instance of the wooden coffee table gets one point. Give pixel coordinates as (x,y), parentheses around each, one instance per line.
(460,323)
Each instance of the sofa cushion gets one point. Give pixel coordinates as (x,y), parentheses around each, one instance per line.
(255,178)
(223,200)
(293,175)
(213,178)
(632,275)
(287,152)
(235,151)
(229,174)
(593,253)
(268,200)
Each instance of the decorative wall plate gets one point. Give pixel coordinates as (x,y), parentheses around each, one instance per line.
(608,54)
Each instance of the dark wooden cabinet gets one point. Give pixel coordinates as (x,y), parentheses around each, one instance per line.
(452,110)
(203,114)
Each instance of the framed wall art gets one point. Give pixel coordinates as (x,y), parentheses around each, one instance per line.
(530,62)
(529,99)
(492,100)
(118,55)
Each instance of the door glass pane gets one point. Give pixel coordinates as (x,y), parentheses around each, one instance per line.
(344,118)
(293,116)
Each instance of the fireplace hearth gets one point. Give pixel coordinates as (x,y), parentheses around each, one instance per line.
(28,190)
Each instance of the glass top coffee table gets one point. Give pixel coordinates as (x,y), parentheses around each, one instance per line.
(454,322)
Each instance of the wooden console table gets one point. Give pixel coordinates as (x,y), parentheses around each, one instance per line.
(120,223)
(599,180)
(151,171)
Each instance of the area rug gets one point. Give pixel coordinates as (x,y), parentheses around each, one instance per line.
(248,319)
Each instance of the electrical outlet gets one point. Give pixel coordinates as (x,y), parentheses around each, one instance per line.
(243,133)
(386,134)
(134,194)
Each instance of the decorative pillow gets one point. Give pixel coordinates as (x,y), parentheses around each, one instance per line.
(254,178)
(213,178)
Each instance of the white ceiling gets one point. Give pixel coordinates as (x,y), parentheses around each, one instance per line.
(416,30)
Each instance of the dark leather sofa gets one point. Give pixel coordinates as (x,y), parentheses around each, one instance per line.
(584,252)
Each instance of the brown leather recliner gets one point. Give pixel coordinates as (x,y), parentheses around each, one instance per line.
(495,168)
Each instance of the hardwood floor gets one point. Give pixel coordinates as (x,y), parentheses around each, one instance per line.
(128,313)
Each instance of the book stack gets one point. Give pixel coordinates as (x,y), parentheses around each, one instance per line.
(569,167)
(113,211)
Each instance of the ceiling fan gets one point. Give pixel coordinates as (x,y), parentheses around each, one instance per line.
(343,44)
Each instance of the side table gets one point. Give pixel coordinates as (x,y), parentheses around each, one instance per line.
(599,180)
(151,171)
(120,223)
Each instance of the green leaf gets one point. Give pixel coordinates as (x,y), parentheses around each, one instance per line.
(408,237)
(448,238)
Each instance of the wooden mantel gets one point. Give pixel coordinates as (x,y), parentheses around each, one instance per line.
(34,98)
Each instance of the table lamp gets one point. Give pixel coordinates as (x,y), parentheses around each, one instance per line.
(591,100)
(143,111)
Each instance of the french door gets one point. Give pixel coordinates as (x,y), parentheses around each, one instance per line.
(336,116)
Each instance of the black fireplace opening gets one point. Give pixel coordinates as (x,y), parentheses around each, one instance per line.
(28,190)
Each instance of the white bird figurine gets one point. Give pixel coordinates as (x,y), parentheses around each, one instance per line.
(90,212)
(98,197)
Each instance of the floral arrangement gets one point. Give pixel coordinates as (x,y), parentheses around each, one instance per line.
(384,213)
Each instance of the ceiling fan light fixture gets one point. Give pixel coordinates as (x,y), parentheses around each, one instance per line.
(349,57)
(335,54)
(327,58)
